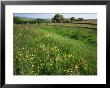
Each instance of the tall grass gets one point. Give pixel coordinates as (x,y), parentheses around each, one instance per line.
(54,50)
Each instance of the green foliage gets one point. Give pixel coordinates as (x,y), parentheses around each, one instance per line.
(58,18)
(84,34)
(39,21)
(19,20)
(54,50)
(80,19)
(72,19)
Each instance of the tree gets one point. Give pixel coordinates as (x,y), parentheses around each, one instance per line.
(72,19)
(67,20)
(80,19)
(40,21)
(58,18)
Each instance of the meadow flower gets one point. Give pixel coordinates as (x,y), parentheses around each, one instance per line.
(71,74)
(84,61)
(57,59)
(32,65)
(85,68)
(32,54)
(20,54)
(38,67)
(58,54)
(50,64)
(55,47)
(50,59)
(76,66)
(69,55)
(31,58)
(71,71)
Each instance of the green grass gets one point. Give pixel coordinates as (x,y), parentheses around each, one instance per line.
(54,50)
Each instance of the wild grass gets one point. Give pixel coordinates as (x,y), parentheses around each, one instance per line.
(54,50)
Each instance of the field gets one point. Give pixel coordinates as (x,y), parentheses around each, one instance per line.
(55,49)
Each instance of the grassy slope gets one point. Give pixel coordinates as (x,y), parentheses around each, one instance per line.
(45,50)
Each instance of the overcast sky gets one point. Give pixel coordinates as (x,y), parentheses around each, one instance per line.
(50,15)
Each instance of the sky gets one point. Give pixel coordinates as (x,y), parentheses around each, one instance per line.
(51,15)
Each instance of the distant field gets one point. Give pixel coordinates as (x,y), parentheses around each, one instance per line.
(89,21)
(55,49)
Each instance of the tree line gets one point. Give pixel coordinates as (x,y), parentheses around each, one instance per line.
(56,19)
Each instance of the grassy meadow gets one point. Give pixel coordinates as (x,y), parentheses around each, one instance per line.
(55,49)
